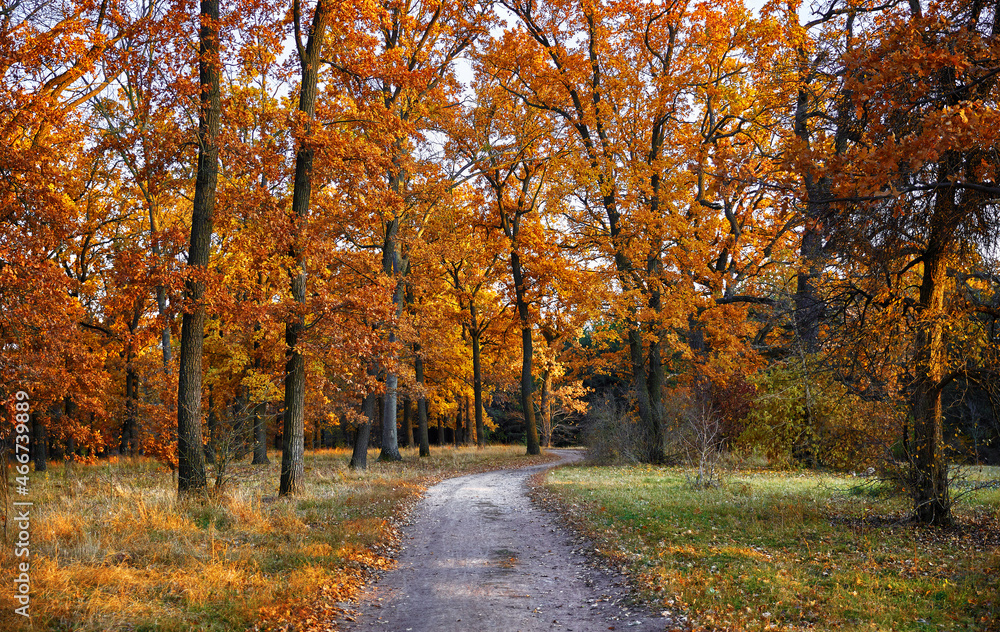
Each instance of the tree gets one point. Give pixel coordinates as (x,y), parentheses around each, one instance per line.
(53,59)
(470,262)
(517,180)
(914,196)
(190,456)
(255,197)
(142,127)
(644,95)
(403,77)
(470,278)
(292,464)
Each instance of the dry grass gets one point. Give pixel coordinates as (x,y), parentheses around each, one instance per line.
(113,548)
(789,551)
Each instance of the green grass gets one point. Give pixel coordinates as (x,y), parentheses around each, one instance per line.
(113,548)
(789,551)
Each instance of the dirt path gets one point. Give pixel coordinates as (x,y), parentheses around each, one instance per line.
(480,557)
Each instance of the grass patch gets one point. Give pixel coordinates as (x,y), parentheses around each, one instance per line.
(113,548)
(788,551)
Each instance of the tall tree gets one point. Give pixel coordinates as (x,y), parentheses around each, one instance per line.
(53,60)
(915,196)
(525,200)
(517,179)
(633,86)
(293,438)
(471,261)
(190,455)
(404,73)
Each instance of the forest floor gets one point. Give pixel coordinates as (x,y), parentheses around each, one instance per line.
(113,548)
(479,556)
(789,550)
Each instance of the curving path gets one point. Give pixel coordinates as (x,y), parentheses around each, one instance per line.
(480,557)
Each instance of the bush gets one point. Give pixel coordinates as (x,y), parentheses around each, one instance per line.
(732,399)
(801,418)
(613,432)
(696,431)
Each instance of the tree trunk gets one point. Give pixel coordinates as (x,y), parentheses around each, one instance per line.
(390,445)
(422,430)
(129,444)
(213,429)
(809,306)
(161,290)
(408,422)
(527,387)
(293,426)
(161,306)
(527,384)
(259,409)
(359,459)
(161,296)
(931,499)
(545,407)
(654,389)
(932,503)
(477,382)
(293,436)
(190,453)
(376,438)
(260,435)
(393,266)
(651,422)
(648,410)
(467,437)
(39,442)
(654,373)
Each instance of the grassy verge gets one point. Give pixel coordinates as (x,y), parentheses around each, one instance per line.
(112,547)
(788,551)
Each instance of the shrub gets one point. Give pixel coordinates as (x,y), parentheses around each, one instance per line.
(798,417)
(695,429)
(614,435)
(733,400)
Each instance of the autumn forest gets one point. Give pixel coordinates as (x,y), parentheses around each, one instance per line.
(668,229)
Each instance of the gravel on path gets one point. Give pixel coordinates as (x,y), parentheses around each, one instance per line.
(478,556)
